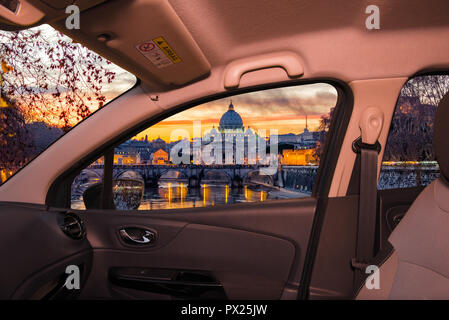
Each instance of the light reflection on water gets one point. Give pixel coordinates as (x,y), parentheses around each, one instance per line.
(178,195)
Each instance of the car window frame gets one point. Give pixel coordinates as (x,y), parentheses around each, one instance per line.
(59,193)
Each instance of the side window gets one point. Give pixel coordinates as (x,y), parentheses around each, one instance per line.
(48,84)
(253,147)
(408,159)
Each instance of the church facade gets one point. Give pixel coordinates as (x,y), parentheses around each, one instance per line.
(234,139)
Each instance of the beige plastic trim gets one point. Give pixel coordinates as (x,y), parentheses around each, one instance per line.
(287,60)
(25,16)
(382,92)
(370,124)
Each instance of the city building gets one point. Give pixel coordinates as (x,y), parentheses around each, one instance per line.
(233,135)
(125,159)
(144,157)
(159,144)
(160,157)
(121,158)
(235,141)
(306,139)
(299,157)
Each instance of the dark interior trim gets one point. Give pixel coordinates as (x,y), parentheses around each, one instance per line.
(106,191)
(339,124)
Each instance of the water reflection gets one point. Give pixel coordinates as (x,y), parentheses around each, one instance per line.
(172,194)
(178,195)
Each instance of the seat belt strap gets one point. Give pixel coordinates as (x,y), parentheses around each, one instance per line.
(366,225)
(370,125)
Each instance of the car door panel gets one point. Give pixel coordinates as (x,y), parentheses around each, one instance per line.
(254,251)
(236,258)
(332,276)
(28,271)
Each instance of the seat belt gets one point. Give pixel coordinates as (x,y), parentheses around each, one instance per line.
(367,208)
(367,145)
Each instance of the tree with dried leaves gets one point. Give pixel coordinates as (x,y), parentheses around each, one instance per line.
(325,123)
(411,131)
(52,79)
(45,78)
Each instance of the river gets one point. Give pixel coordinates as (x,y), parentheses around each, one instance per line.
(172,195)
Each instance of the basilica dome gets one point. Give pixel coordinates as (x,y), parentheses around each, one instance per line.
(230,120)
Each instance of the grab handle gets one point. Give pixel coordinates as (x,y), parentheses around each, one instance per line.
(287,60)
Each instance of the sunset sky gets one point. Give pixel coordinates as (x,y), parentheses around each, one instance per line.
(123,80)
(283,109)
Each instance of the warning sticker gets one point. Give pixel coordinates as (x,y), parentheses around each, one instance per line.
(159,52)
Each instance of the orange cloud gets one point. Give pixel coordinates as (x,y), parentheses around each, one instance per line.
(283,109)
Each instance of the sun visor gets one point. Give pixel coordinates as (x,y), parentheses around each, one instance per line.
(147,37)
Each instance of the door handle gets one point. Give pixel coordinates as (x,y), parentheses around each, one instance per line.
(137,236)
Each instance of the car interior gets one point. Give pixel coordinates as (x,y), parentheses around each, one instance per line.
(221,54)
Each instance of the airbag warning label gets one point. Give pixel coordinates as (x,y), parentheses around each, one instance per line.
(159,52)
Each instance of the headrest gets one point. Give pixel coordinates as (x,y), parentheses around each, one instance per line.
(441,136)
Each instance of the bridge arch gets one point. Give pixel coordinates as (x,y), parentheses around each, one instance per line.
(129,174)
(193,174)
(256,177)
(85,179)
(90,174)
(173,174)
(216,176)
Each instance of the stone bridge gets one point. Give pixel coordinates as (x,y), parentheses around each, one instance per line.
(195,175)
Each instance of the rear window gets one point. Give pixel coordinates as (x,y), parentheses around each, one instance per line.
(409,160)
(48,84)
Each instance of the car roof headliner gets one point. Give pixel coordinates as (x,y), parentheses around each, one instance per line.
(329,36)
